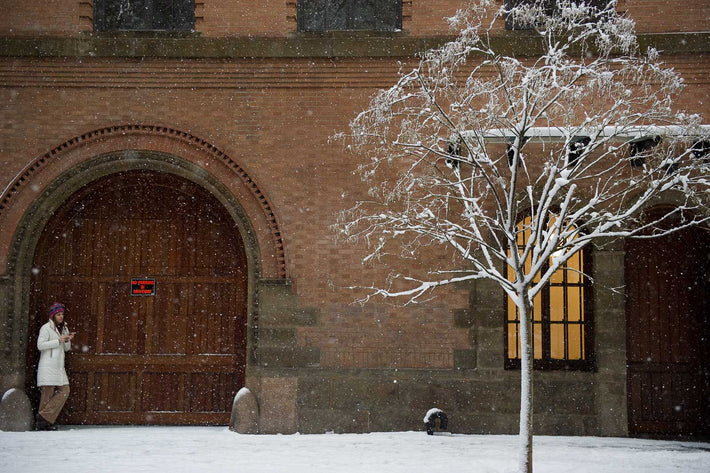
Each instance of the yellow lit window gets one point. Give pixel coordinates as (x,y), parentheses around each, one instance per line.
(561,334)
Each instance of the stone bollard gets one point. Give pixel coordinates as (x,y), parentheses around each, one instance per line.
(245,413)
(430,420)
(15,411)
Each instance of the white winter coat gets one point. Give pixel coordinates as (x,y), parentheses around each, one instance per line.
(50,371)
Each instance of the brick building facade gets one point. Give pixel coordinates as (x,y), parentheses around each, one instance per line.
(103,131)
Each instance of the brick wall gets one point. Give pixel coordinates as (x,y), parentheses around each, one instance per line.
(245,18)
(275,118)
(277,18)
(376,363)
(656,16)
(45,18)
(263,114)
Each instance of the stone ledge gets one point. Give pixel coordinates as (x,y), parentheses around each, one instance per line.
(288,357)
(132,46)
(213,48)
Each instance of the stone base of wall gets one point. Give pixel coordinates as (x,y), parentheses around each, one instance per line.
(482,402)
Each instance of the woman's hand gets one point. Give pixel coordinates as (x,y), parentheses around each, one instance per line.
(66,338)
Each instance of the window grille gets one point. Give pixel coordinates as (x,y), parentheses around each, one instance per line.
(549,6)
(349,15)
(144,15)
(561,319)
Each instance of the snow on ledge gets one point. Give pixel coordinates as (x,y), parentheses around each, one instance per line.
(617,133)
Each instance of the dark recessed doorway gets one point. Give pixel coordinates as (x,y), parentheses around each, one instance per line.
(175,357)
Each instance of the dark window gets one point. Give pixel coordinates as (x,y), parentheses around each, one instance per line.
(344,15)
(701,150)
(642,148)
(562,325)
(144,15)
(576,148)
(549,6)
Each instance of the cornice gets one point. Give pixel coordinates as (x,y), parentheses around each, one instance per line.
(297,46)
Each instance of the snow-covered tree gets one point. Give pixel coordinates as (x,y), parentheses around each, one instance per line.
(515,163)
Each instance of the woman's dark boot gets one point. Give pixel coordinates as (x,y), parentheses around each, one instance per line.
(42,424)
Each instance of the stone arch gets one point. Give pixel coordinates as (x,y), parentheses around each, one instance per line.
(29,201)
(19,193)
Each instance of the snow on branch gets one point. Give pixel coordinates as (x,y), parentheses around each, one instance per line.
(512,164)
(471,141)
(616,133)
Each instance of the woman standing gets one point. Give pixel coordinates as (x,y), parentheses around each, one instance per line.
(54,339)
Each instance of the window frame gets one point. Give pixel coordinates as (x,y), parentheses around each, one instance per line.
(547,363)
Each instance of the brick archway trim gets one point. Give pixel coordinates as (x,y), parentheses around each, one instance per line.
(25,176)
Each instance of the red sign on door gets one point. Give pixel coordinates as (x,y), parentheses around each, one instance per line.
(142,287)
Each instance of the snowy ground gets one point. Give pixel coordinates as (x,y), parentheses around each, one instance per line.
(215,449)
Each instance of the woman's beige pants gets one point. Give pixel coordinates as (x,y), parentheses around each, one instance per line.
(52,401)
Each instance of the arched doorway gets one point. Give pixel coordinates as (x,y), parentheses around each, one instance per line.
(668,325)
(175,357)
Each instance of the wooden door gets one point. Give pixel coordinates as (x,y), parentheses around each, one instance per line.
(667,334)
(177,357)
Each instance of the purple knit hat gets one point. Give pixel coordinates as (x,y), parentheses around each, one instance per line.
(54,308)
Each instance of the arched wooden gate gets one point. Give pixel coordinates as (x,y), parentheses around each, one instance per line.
(175,357)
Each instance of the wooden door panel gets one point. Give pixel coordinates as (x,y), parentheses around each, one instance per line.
(77,404)
(115,383)
(163,391)
(114,391)
(122,319)
(176,357)
(169,328)
(666,400)
(667,321)
(214,327)
(209,392)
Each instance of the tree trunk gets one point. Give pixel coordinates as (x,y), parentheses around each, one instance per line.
(525,453)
